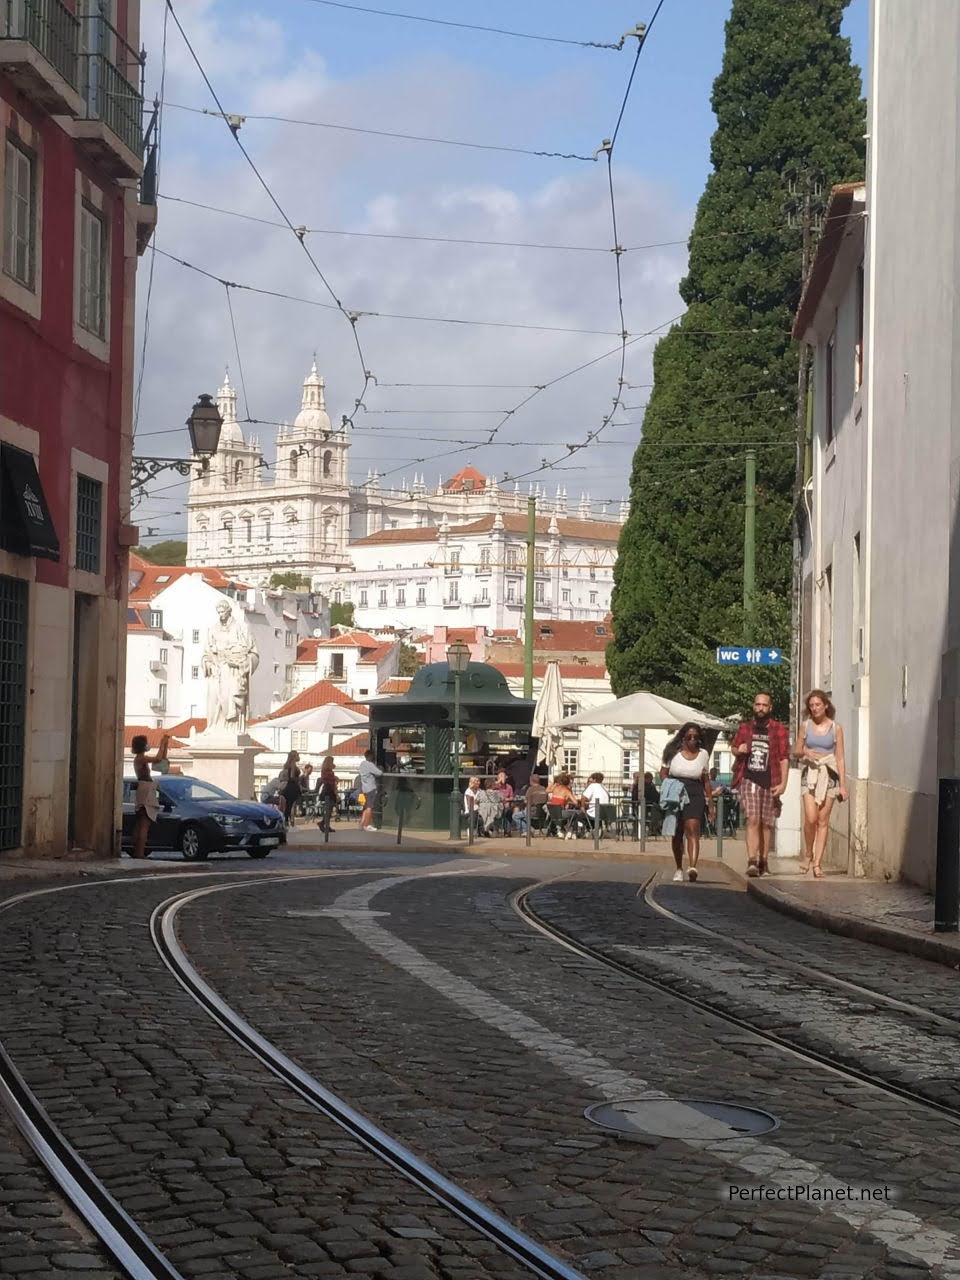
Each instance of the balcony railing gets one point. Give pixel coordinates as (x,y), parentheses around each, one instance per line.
(50,27)
(112,87)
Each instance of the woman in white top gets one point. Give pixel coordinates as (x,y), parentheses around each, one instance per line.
(595,795)
(686,758)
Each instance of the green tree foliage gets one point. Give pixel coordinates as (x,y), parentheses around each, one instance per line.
(729,691)
(289,582)
(787,103)
(172,551)
(410,661)
(341,615)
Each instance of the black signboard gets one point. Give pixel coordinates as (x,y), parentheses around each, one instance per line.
(26,527)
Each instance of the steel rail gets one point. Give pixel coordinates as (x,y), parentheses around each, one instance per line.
(376,1140)
(807,970)
(519,902)
(123,1240)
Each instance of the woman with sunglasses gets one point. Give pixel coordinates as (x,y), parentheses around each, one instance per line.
(686,759)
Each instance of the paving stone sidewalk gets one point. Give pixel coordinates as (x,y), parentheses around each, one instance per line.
(893,915)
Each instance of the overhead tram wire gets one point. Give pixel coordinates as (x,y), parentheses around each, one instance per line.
(236,347)
(382,315)
(237,118)
(351,318)
(471,26)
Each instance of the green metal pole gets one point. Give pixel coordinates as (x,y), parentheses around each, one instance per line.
(455,785)
(749,547)
(528,601)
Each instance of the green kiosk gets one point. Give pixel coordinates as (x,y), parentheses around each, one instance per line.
(413,737)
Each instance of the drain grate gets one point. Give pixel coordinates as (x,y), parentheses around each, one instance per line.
(681,1118)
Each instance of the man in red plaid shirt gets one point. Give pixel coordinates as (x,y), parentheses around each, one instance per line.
(761,749)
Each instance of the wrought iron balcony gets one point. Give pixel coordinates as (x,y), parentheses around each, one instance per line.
(111,81)
(39,50)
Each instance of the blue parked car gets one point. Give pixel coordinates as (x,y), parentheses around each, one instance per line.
(199,819)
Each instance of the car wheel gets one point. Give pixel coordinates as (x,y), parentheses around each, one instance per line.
(193,844)
(259,853)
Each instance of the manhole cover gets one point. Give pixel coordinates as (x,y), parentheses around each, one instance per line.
(681,1118)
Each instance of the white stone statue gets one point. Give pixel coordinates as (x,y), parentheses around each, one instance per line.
(229,660)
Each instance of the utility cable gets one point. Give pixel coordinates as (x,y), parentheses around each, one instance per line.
(236,119)
(470,26)
(350,317)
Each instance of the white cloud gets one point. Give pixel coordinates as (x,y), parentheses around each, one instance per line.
(338,180)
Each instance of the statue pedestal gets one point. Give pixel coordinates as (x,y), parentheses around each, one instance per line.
(226,761)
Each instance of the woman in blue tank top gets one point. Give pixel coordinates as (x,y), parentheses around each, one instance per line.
(819,748)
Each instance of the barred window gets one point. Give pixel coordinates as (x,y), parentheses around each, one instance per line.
(89,516)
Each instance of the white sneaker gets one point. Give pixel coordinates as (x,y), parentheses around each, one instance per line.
(678,876)
(371,828)
(571,835)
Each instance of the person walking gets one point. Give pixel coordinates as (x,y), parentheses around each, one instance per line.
(290,785)
(370,775)
(148,799)
(761,751)
(326,794)
(685,759)
(819,749)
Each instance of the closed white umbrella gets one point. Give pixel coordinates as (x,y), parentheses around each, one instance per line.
(548,713)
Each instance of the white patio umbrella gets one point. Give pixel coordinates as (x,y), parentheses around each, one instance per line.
(548,713)
(331,718)
(644,711)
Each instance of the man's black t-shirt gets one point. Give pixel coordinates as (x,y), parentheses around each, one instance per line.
(758,761)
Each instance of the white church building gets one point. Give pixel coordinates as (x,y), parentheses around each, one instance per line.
(406,556)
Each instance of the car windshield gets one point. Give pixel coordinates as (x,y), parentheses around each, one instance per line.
(192,789)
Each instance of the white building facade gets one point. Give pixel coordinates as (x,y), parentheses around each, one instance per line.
(882,568)
(367,543)
(171,611)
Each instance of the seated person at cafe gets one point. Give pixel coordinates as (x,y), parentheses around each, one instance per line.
(535,795)
(560,794)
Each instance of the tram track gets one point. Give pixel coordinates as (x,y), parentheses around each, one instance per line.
(127,1245)
(519,900)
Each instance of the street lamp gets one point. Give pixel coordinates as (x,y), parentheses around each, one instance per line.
(458,659)
(204,426)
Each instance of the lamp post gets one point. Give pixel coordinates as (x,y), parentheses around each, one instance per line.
(204,426)
(458,659)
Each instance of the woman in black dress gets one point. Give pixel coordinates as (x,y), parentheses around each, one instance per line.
(290,787)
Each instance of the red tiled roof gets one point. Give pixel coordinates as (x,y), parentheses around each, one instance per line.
(460,483)
(571,635)
(147,584)
(307,650)
(396,684)
(355,746)
(152,736)
(585,530)
(568,670)
(183,729)
(373,657)
(318,695)
(349,640)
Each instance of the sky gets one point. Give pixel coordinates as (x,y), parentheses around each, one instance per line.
(545,310)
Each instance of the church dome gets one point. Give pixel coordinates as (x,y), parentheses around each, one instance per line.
(313,417)
(230,432)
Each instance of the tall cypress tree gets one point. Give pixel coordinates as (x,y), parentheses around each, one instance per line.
(789,114)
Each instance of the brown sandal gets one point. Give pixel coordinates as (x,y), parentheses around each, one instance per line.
(817,873)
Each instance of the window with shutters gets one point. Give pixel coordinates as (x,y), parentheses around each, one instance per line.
(91,314)
(19,214)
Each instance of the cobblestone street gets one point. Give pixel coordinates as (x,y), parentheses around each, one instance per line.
(412,988)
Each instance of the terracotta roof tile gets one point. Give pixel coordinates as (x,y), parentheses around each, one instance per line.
(153,736)
(373,657)
(396,684)
(183,729)
(349,640)
(355,746)
(467,480)
(147,577)
(318,695)
(585,530)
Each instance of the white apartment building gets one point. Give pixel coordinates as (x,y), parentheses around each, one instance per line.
(882,566)
(171,610)
(354,662)
(473,574)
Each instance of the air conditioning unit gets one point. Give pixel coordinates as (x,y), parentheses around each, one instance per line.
(156,665)
(158,704)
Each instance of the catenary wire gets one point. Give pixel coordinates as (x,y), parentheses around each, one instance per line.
(236,347)
(243,116)
(470,26)
(351,319)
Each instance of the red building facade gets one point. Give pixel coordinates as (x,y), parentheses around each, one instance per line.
(72,221)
